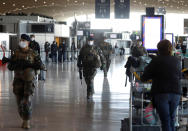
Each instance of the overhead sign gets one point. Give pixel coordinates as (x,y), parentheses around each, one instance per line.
(122,9)
(102,9)
(114,35)
(84,25)
(152,31)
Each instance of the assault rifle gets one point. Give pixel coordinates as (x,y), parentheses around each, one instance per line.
(80,74)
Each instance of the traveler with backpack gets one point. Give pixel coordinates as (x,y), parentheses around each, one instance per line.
(88,61)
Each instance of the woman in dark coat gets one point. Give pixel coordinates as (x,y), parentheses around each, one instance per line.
(165,72)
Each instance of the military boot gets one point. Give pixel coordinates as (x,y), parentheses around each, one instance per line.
(105,73)
(88,95)
(26,124)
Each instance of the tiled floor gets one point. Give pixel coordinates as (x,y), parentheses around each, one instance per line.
(60,104)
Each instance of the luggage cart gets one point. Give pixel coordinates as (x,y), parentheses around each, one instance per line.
(182,117)
(139,99)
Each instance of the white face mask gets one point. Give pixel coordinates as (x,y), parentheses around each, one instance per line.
(23,44)
(106,40)
(91,42)
(33,39)
(140,43)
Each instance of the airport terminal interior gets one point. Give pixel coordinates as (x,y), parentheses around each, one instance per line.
(65,33)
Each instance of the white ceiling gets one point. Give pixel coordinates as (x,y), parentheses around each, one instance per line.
(62,9)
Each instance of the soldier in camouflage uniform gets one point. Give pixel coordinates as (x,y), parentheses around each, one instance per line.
(89,60)
(107,52)
(24,62)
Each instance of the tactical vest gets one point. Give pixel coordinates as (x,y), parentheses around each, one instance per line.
(27,74)
(106,49)
(90,57)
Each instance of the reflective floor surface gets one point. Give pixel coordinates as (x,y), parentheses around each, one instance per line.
(60,103)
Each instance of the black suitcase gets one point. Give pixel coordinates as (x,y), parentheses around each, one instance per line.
(125,126)
(146,128)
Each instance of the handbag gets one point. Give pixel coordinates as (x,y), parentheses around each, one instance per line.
(149,114)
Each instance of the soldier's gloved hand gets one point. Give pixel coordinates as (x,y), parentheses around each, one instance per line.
(43,67)
(102,67)
(79,65)
(5,60)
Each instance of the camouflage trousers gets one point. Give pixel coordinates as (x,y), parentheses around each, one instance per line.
(107,66)
(23,91)
(89,75)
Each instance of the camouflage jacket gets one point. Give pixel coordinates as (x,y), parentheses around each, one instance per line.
(25,64)
(85,54)
(106,49)
(102,57)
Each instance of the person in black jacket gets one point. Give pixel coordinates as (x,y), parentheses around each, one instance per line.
(60,52)
(34,45)
(165,72)
(54,51)
(64,50)
(47,50)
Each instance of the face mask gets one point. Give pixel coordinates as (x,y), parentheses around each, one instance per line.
(23,44)
(91,42)
(32,39)
(106,40)
(140,43)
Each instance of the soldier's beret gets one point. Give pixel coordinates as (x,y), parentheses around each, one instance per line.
(25,37)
